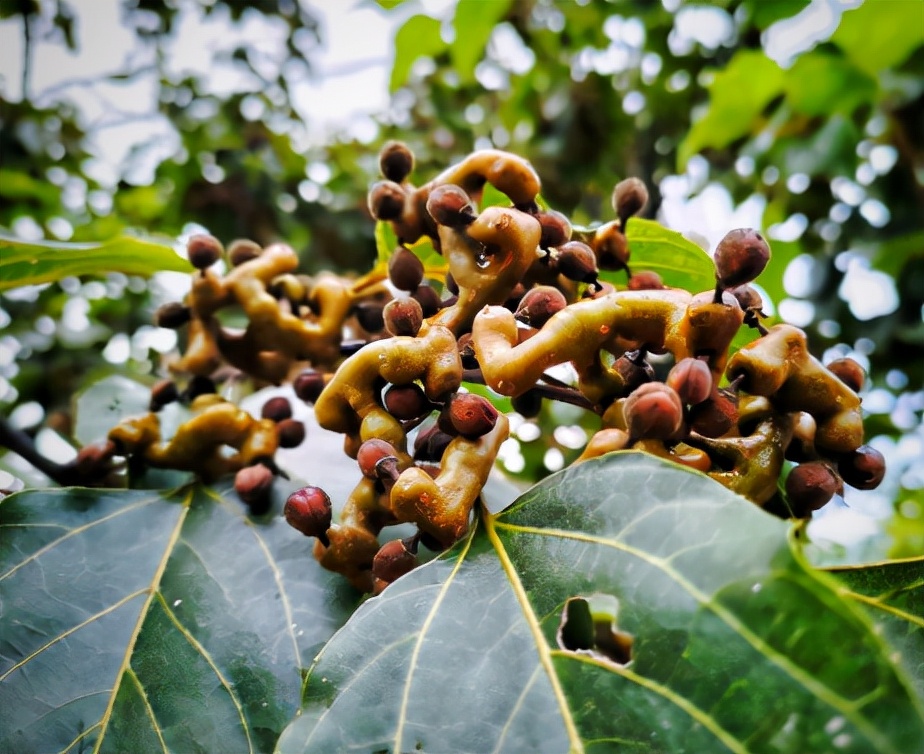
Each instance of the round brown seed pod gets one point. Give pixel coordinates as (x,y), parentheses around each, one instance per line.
(394,559)
(369,316)
(471,415)
(449,205)
(863,469)
(197,386)
(645,280)
(430,443)
(428,298)
(848,372)
(527,404)
(163,393)
(653,411)
(203,250)
(810,486)
(309,511)
(253,485)
(634,370)
(290,433)
(556,229)
(243,250)
(277,409)
(740,257)
(577,261)
(406,402)
(716,415)
(539,304)
(629,198)
(172,315)
(308,385)
(691,379)
(405,270)
(396,161)
(403,316)
(386,200)
(370,453)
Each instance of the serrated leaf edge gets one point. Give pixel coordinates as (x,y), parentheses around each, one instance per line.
(846,708)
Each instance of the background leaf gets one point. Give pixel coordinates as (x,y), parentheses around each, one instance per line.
(738,646)
(474,22)
(418,37)
(679,261)
(144,622)
(33,262)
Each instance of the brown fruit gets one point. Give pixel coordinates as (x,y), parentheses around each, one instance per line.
(691,379)
(539,304)
(369,316)
(405,270)
(449,205)
(396,161)
(277,409)
(172,315)
(308,385)
(634,370)
(290,433)
(243,250)
(740,257)
(309,510)
(254,485)
(406,402)
(197,386)
(403,316)
(370,453)
(471,415)
(203,250)
(810,486)
(716,415)
(556,229)
(394,559)
(576,261)
(645,280)
(428,298)
(430,444)
(386,200)
(848,372)
(653,411)
(163,393)
(629,198)
(863,469)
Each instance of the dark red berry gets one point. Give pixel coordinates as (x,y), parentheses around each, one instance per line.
(406,402)
(645,280)
(848,372)
(369,316)
(634,369)
(199,385)
(430,444)
(254,485)
(539,304)
(691,379)
(428,298)
(629,198)
(163,393)
(471,415)
(370,453)
(309,510)
(810,486)
(863,469)
(716,415)
(394,559)
(556,229)
(576,261)
(277,409)
(308,385)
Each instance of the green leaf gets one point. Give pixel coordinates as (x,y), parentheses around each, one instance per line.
(893,593)
(879,35)
(736,644)
(133,621)
(474,22)
(105,403)
(385,241)
(35,262)
(17,186)
(763,14)
(738,96)
(418,37)
(824,84)
(679,261)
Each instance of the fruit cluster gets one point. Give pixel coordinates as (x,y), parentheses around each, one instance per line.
(521,292)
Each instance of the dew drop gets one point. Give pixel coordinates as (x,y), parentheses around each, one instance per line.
(177,603)
(604,329)
(757,587)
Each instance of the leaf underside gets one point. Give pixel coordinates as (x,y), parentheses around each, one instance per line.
(737,645)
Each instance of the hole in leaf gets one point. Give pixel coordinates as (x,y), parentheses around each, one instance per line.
(588,625)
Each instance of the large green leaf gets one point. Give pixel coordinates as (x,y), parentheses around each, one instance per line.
(34,262)
(738,645)
(138,622)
